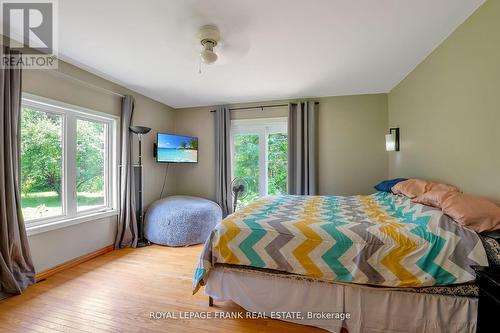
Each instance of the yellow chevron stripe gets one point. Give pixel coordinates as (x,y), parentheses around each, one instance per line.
(393,258)
(373,211)
(232,230)
(310,216)
(406,246)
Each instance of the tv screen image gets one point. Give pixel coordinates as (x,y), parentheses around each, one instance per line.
(177,148)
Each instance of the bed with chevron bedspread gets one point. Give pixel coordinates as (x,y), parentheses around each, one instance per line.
(380,239)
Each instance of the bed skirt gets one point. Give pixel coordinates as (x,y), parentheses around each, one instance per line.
(371,310)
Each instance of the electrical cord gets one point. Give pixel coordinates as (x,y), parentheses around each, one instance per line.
(164,181)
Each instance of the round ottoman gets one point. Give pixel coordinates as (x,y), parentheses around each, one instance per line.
(181,220)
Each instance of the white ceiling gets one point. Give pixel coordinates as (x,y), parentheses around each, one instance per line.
(271,49)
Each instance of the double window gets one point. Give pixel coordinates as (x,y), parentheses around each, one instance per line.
(260,156)
(67,161)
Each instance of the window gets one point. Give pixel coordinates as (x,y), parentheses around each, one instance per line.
(90,164)
(260,155)
(67,161)
(41,163)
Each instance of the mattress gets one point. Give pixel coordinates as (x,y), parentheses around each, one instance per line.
(461,290)
(381,240)
(491,246)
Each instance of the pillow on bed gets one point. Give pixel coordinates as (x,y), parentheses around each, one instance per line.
(416,189)
(386,185)
(436,194)
(411,188)
(476,213)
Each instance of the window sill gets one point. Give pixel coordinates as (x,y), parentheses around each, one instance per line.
(38,229)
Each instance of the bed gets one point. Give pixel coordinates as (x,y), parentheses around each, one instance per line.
(392,264)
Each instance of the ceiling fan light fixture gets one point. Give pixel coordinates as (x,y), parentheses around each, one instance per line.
(209,37)
(208,56)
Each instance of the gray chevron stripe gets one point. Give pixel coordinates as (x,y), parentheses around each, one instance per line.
(291,209)
(467,242)
(353,212)
(284,236)
(354,216)
(373,243)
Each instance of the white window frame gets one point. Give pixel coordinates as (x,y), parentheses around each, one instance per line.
(262,127)
(70,115)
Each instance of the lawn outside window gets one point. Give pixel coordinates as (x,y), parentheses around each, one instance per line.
(68,163)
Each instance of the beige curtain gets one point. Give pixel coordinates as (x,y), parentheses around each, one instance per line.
(16,267)
(127,233)
(302,148)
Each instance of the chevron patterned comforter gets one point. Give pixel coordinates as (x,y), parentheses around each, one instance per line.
(379,239)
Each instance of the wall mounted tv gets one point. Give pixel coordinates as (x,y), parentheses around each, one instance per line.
(173,148)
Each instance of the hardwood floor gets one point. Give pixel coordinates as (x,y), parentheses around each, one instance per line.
(116,293)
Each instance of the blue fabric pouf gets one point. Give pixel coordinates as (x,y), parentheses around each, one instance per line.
(181,220)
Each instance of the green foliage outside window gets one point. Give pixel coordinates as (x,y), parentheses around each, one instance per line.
(246,164)
(90,156)
(90,140)
(277,164)
(41,151)
(41,163)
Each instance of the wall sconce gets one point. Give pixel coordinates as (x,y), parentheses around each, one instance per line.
(392,140)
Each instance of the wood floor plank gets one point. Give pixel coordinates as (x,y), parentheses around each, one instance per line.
(117,291)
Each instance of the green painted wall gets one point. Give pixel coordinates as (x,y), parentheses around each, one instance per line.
(448,110)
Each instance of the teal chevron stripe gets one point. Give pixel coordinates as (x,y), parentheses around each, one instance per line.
(342,244)
(331,257)
(198,275)
(246,246)
(273,206)
(426,263)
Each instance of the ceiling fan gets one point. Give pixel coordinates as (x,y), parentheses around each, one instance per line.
(209,36)
(214,49)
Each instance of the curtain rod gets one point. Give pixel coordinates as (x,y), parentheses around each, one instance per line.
(260,107)
(85,83)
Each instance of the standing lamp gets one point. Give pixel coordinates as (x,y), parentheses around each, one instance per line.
(140,131)
(392,140)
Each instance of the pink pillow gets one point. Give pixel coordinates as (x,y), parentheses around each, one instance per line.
(475,213)
(423,191)
(411,188)
(436,194)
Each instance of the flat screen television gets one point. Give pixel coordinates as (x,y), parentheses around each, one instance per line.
(173,148)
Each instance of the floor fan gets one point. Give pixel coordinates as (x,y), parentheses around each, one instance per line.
(239,187)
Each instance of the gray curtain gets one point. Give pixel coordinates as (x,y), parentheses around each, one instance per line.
(223,192)
(127,221)
(16,267)
(302,148)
